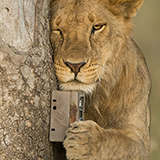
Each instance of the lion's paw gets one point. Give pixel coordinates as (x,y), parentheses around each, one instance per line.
(83,140)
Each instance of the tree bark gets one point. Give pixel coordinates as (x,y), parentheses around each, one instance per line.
(26,80)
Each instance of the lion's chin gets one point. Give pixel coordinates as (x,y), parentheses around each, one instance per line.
(75,85)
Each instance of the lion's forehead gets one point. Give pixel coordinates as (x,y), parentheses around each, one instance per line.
(78,11)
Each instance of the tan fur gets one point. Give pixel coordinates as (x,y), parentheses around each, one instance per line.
(115,78)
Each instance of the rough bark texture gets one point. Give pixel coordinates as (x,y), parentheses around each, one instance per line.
(26,80)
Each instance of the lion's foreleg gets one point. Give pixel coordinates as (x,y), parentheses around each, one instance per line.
(87,140)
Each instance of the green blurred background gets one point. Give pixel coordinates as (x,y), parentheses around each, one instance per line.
(146,33)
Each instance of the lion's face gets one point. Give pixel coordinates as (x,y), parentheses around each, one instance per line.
(84,38)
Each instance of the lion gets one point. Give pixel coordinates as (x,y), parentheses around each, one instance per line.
(94,53)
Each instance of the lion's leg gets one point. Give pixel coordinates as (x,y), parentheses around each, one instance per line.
(87,140)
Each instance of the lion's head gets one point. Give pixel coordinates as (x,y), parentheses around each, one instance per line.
(87,38)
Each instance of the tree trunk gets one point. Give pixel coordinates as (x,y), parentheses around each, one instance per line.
(26,80)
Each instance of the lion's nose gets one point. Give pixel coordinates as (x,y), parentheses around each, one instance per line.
(75,67)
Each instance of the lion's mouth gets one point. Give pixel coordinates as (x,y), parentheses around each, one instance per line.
(81,81)
(76,81)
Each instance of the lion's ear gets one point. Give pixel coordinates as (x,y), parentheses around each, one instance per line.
(127,8)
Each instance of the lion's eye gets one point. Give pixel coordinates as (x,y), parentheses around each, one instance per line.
(97,28)
(57,36)
(57,32)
